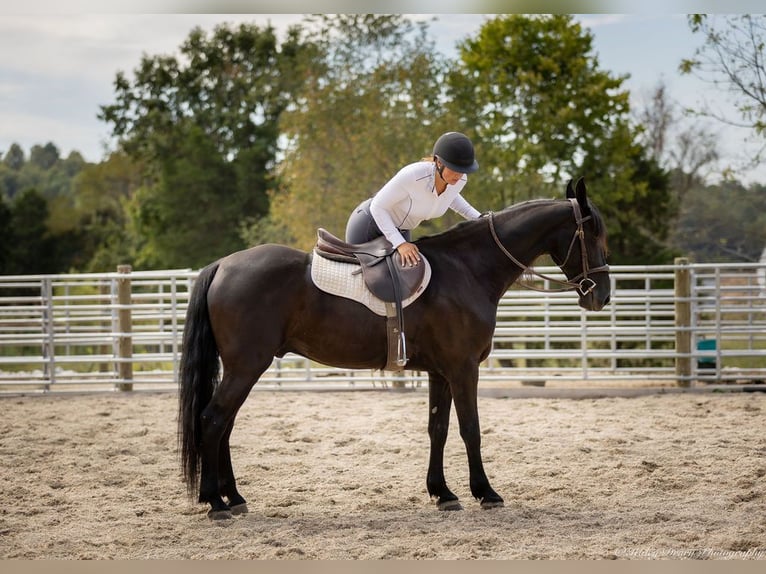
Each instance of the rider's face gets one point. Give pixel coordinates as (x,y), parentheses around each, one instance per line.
(450,176)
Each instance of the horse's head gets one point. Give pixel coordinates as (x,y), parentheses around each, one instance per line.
(580,250)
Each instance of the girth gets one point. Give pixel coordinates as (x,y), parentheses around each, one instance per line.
(385,277)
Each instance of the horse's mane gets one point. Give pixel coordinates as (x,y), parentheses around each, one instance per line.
(598,223)
(465,228)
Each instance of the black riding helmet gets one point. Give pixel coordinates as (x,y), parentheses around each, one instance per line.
(455,151)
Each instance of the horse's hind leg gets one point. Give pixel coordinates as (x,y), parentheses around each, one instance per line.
(227,484)
(217,476)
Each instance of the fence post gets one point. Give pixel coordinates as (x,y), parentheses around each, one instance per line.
(125,327)
(105,295)
(683,308)
(49,334)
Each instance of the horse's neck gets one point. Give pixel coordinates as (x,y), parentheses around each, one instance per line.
(524,232)
(470,249)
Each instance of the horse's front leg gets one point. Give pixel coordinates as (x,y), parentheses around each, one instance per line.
(439,404)
(464,392)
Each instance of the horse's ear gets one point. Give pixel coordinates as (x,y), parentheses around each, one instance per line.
(570,190)
(582,196)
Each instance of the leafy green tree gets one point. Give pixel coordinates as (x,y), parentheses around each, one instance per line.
(203,126)
(532,88)
(639,206)
(30,251)
(6,236)
(370,106)
(14,158)
(542,111)
(187,218)
(102,193)
(9,182)
(44,157)
(45,178)
(73,164)
(46,171)
(13,161)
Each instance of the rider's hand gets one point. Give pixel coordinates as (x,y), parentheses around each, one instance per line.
(409,254)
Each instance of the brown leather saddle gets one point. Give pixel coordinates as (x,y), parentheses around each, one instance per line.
(385,277)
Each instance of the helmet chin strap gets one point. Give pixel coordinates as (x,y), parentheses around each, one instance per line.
(440,169)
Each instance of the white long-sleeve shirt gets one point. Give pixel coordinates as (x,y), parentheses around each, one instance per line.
(410,197)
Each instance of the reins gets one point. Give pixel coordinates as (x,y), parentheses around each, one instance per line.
(581,283)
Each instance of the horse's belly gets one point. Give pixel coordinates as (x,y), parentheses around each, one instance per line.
(348,335)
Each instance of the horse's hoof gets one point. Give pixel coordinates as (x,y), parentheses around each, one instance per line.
(219,514)
(449,505)
(492,504)
(239,509)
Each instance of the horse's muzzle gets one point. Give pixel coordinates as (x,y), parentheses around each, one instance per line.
(591,301)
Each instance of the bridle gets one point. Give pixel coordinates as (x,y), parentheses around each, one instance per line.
(581,283)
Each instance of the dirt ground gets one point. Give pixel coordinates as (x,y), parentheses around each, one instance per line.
(341,475)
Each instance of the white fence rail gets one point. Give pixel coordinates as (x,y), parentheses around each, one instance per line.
(123,331)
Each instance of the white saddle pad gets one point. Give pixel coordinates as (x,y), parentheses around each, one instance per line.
(338,278)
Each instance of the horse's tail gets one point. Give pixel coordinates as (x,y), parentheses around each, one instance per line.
(198,376)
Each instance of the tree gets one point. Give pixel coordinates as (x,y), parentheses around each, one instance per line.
(44,157)
(532,90)
(42,188)
(687,150)
(14,158)
(656,121)
(6,236)
(370,106)
(14,161)
(639,209)
(541,112)
(30,251)
(218,102)
(733,58)
(725,222)
(186,218)
(46,171)
(102,193)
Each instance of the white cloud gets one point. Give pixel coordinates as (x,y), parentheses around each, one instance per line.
(56,70)
(96,45)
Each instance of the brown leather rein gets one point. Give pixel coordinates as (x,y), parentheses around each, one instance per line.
(581,283)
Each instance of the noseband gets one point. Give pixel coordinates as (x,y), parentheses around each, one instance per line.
(581,283)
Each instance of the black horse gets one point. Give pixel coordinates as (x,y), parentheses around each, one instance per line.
(253,305)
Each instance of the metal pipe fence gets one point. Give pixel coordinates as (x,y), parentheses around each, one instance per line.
(665,325)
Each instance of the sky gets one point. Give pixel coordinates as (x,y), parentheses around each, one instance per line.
(58,61)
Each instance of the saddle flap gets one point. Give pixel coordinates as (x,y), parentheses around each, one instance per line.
(378,278)
(380,282)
